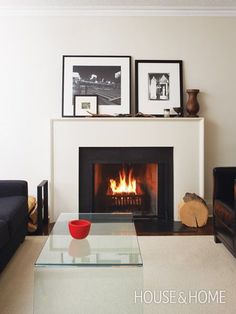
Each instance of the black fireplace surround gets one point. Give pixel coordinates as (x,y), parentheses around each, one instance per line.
(162,156)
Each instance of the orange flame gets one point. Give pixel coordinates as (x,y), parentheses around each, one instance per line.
(126,184)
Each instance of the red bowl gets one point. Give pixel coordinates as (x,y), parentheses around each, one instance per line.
(79,229)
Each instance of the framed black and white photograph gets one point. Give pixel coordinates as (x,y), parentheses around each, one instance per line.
(107,77)
(158,86)
(85,105)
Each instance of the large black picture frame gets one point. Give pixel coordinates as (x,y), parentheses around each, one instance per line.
(108,77)
(158,86)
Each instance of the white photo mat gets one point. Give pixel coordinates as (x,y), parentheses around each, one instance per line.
(84,105)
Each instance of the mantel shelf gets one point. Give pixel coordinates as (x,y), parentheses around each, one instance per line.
(122,119)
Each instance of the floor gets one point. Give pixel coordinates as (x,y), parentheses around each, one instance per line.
(174,228)
(160,228)
(193,266)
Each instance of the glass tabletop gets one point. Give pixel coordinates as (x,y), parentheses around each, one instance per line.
(112,241)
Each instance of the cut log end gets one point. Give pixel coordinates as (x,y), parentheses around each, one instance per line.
(193,213)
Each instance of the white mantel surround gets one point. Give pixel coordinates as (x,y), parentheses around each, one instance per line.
(185,135)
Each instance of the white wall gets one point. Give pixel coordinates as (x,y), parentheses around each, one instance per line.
(31,67)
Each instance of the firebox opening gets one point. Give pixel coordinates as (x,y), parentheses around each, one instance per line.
(146,171)
(126,187)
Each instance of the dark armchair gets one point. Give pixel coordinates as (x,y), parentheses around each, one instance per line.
(13,217)
(224,207)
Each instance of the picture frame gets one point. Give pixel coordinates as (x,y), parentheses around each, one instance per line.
(107,77)
(85,105)
(159,86)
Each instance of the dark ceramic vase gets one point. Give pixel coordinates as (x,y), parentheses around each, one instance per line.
(192,105)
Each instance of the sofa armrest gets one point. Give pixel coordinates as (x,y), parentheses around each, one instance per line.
(235,195)
(13,188)
(224,183)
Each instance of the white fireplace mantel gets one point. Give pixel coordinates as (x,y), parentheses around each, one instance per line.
(185,135)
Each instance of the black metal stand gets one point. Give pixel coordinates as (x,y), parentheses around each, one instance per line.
(42,201)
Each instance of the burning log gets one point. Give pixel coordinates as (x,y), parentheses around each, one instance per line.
(193,211)
(124,192)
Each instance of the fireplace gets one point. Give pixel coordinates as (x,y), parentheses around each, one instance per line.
(127,179)
(70,134)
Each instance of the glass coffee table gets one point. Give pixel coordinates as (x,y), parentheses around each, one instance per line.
(99,274)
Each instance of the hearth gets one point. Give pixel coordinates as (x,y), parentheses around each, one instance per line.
(127,179)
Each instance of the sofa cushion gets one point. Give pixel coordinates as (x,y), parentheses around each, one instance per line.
(4,234)
(13,210)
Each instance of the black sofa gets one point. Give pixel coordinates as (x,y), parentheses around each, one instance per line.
(224,207)
(13,217)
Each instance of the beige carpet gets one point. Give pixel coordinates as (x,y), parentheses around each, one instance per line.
(177,263)
(16,281)
(188,263)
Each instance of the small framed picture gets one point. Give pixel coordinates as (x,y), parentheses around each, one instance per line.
(107,77)
(85,105)
(159,86)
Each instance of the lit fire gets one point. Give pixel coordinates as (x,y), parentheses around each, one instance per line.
(126,184)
